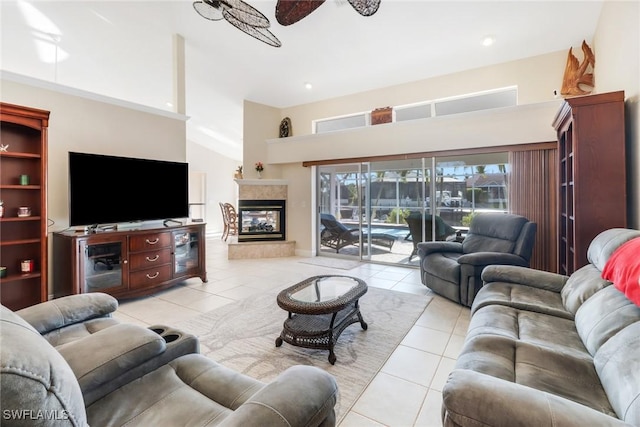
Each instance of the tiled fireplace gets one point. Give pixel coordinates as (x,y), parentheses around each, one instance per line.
(262,206)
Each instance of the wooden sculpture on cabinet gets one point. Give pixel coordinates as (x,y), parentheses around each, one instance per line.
(575,73)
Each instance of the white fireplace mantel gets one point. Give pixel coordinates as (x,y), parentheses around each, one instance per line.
(261,181)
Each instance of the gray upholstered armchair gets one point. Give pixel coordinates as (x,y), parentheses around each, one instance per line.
(453,269)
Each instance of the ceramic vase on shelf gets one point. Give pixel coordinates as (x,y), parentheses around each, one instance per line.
(259,174)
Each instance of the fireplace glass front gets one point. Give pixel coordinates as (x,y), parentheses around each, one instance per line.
(261,220)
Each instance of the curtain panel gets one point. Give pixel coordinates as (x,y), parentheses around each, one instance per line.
(533,184)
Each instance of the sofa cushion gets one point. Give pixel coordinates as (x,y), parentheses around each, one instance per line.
(77,331)
(580,286)
(122,347)
(529,327)
(618,363)
(603,315)
(522,297)
(604,245)
(623,269)
(474,399)
(195,390)
(533,349)
(35,381)
(182,380)
(542,368)
(73,309)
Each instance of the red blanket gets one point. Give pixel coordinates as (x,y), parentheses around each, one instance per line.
(623,269)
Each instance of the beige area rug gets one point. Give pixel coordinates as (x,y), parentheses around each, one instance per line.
(242,336)
(342,264)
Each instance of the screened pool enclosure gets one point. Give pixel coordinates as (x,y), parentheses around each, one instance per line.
(378,211)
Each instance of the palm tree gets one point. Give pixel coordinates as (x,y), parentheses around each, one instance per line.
(380,179)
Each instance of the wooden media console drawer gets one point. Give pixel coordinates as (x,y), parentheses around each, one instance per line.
(146,242)
(150,259)
(150,277)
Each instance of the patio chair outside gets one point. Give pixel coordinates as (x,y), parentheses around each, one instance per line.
(416,223)
(336,235)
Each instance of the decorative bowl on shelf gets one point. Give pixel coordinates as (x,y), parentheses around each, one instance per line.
(24,211)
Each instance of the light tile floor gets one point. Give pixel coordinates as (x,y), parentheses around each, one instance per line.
(408,389)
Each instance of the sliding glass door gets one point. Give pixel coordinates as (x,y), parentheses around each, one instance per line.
(380,211)
(343,210)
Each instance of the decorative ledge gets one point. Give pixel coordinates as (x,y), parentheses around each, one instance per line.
(522,124)
(262,181)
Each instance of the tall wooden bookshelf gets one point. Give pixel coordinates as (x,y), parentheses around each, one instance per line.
(23,183)
(592,177)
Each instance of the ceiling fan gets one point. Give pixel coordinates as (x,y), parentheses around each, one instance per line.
(291,11)
(239,14)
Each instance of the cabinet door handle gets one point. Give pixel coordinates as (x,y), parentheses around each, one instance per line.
(152,242)
(155,258)
(153,276)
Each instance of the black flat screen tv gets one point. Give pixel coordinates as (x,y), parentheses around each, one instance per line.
(110,189)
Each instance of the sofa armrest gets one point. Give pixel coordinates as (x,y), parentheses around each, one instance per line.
(299,396)
(60,312)
(426,248)
(524,276)
(109,353)
(491,258)
(474,399)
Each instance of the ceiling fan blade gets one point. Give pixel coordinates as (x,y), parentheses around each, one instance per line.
(262,34)
(365,7)
(291,11)
(245,13)
(208,10)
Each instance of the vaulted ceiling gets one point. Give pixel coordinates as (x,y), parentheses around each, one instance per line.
(124,49)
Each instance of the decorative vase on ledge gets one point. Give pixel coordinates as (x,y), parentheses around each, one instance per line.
(259,174)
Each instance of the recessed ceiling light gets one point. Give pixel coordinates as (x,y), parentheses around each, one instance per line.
(488,40)
(169,104)
(308,86)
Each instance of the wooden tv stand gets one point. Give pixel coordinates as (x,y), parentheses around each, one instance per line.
(127,263)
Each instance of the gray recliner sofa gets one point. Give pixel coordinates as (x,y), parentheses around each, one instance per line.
(544,349)
(126,374)
(453,269)
(81,326)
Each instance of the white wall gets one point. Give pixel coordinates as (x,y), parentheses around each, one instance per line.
(88,124)
(521,124)
(536,78)
(617,50)
(261,122)
(220,186)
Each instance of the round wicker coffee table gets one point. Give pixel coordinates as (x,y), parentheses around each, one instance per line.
(320,308)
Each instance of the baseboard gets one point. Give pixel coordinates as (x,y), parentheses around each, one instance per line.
(305,253)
